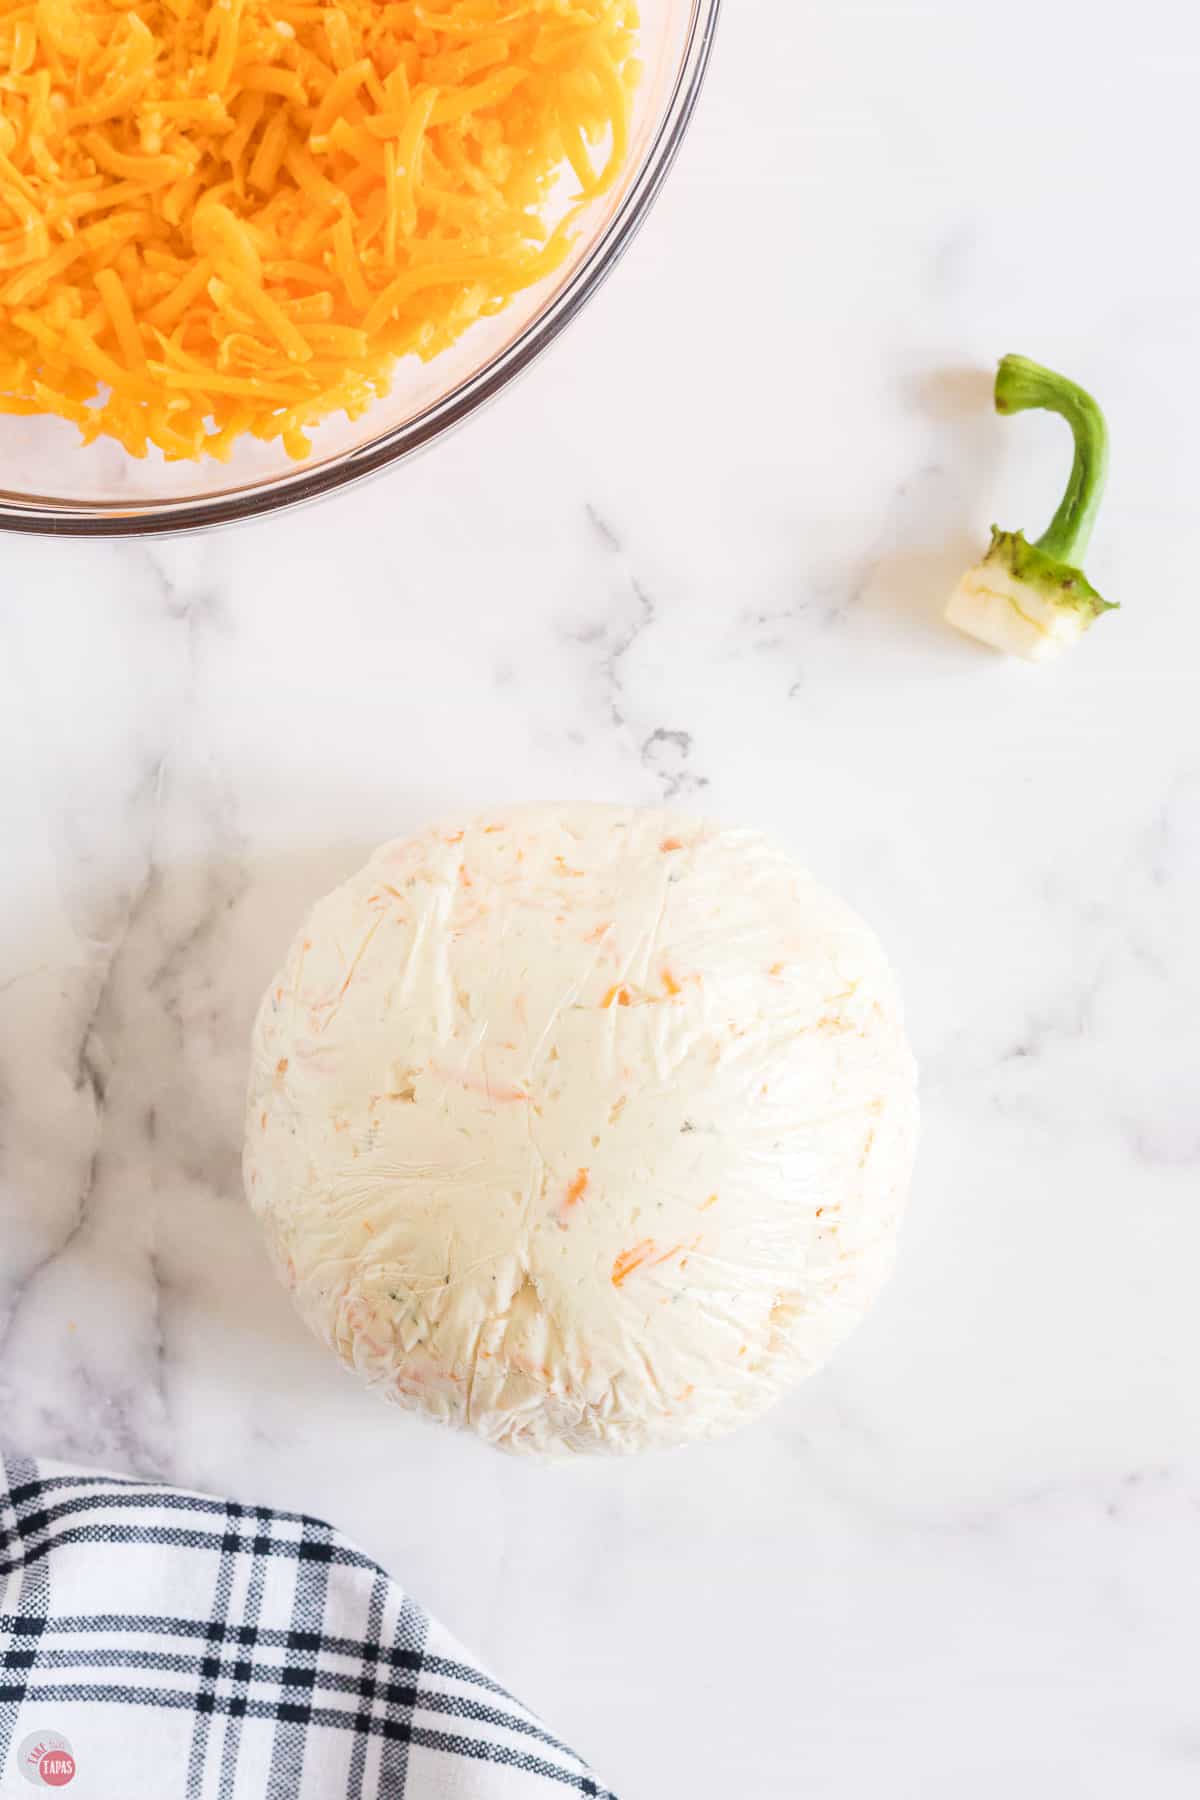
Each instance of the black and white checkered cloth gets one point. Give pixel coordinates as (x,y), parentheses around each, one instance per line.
(162,1645)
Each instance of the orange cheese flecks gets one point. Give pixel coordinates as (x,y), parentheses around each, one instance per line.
(230,216)
(646,1255)
(576,1189)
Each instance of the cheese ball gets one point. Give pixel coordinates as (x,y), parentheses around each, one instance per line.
(586,1128)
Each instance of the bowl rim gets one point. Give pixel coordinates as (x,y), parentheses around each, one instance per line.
(47,516)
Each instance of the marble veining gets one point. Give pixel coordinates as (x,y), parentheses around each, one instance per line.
(699,555)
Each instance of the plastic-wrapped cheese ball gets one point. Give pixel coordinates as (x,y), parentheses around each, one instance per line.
(587,1128)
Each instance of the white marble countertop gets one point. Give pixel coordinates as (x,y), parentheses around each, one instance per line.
(701,553)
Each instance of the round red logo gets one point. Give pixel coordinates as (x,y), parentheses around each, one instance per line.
(57,1767)
(46,1759)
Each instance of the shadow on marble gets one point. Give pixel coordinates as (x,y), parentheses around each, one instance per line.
(936,524)
(132,1279)
(910,588)
(959,396)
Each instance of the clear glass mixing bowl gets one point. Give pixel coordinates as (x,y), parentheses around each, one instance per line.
(50,483)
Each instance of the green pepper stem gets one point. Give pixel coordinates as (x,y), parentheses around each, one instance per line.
(1022,385)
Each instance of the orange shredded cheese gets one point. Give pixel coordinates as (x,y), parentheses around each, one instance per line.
(231,216)
(646,1255)
(576,1189)
(628,1260)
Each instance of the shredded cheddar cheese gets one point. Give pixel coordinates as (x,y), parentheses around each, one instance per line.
(234,217)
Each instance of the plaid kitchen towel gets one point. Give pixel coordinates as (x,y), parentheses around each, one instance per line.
(162,1645)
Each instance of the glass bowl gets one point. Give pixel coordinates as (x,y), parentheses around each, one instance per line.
(51,483)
